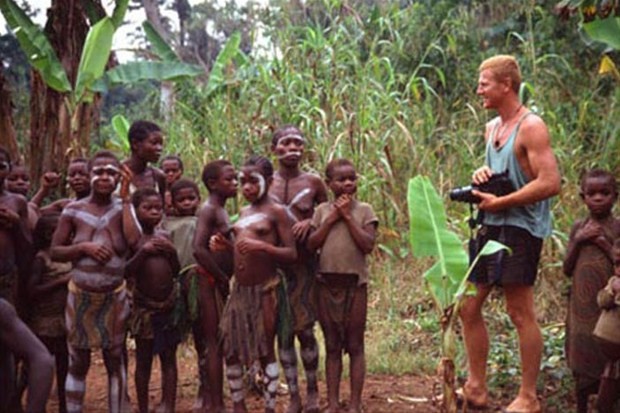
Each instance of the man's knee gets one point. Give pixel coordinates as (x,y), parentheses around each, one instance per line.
(354,347)
(521,316)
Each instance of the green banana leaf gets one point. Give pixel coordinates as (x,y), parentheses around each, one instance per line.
(429,236)
(120,124)
(224,58)
(119,12)
(160,47)
(137,71)
(35,45)
(604,30)
(95,55)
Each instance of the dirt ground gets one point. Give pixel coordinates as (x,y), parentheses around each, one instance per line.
(382,393)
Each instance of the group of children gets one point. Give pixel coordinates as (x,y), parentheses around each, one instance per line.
(593,325)
(134,253)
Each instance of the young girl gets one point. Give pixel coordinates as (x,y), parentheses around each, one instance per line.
(263,240)
(172,166)
(607,333)
(344,231)
(48,296)
(588,262)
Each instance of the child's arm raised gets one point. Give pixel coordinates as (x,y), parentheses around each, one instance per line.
(49,181)
(363,234)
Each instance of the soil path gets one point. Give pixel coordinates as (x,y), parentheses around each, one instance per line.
(382,393)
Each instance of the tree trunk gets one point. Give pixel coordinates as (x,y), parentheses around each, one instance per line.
(51,141)
(8,140)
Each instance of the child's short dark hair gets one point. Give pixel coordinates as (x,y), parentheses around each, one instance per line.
(183,184)
(103,154)
(264,165)
(285,130)
(141,129)
(212,170)
(172,158)
(44,230)
(598,173)
(141,194)
(335,163)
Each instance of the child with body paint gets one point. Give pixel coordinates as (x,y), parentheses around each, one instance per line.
(344,231)
(263,239)
(299,192)
(95,234)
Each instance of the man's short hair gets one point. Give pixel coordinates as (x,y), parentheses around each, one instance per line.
(504,67)
(598,173)
(336,163)
(286,130)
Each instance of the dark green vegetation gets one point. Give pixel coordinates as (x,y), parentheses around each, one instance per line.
(391,85)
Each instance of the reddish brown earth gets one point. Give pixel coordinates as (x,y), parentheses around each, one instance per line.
(382,393)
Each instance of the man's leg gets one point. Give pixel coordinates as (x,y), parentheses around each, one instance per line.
(476,345)
(144,362)
(520,306)
(213,353)
(169,374)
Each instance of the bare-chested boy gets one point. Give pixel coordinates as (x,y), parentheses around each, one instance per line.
(299,192)
(18,182)
(95,234)
(146,141)
(154,268)
(215,270)
(589,263)
(15,259)
(263,240)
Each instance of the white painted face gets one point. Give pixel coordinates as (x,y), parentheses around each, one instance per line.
(105,172)
(262,185)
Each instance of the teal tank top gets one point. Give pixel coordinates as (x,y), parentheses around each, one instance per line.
(534,218)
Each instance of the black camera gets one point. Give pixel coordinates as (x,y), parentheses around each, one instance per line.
(498,184)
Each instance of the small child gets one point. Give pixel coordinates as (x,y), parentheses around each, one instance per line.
(607,333)
(185,197)
(48,296)
(172,166)
(344,230)
(588,262)
(146,141)
(263,240)
(154,268)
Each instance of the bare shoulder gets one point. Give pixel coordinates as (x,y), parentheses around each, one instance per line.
(77,205)
(533,128)
(158,172)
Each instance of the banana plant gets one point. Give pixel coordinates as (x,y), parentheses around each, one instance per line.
(446,279)
(91,76)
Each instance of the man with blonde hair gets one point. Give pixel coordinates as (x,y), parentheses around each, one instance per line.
(517,141)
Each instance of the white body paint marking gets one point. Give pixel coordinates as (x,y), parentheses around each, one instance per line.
(245,222)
